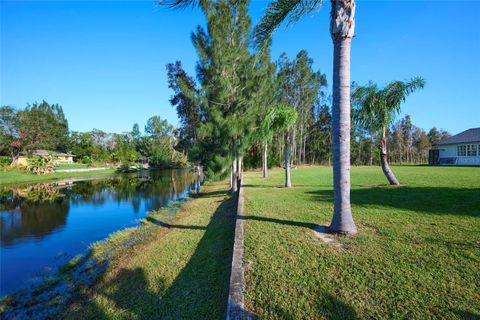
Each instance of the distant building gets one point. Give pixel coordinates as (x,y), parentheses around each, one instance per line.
(58,157)
(461,149)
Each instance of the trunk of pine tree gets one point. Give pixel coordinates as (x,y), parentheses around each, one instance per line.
(303,150)
(288,181)
(234,185)
(239,170)
(342,29)
(301,141)
(384,160)
(264,159)
(294,145)
(371,151)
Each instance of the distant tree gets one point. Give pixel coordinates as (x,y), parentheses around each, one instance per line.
(10,142)
(264,98)
(159,128)
(319,140)
(159,144)
(125,149)
(82,146)
(421,145)
(435,135)
(300,86)
(378,108)
(281,118)
(43,126)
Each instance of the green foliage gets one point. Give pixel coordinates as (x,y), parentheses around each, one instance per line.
(43,126)
(9,131)
(280,117)
(40,164)
(221,110)
(5,162)
(376,108)
(188,111)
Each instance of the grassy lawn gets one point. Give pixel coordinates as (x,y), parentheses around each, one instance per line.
(18,177)
(416,256)
(71,166)
(182,272)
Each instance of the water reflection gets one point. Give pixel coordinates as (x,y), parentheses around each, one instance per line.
(41,222)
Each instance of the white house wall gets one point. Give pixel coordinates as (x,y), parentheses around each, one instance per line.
(450,151)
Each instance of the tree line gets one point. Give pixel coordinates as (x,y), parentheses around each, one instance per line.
(215,121)
(242,109)
(44,126)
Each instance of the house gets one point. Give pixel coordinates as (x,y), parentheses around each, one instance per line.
(58,157)
(461,149)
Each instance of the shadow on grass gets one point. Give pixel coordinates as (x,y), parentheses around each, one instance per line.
(467,315)
(200,290)
(312,226)
(173,226)
(328,307)
(455,201)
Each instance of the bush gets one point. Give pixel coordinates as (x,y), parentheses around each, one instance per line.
(86,160)
(40,164)
(5,162)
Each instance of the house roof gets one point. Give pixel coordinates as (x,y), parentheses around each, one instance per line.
(49,152)
(467,136)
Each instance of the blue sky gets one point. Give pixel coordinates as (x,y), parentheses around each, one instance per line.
(104,61)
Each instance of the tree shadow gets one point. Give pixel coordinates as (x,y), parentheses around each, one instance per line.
(328,307)
(441,200)
(211,194)
(312,226)
(174,226)
(200,290)
(467,315)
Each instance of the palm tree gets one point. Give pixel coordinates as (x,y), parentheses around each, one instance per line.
(281,118)
(375,110)
(342,28)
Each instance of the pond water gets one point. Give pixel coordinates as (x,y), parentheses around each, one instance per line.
(45,225)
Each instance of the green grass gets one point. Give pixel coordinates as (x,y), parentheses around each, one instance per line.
(180,272)
(71,166)
(12,177)
(416,255)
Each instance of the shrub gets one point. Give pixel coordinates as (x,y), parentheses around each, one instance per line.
(40,164)
(5,162)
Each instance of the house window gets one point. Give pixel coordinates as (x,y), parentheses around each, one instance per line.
(461,151)
(472,150)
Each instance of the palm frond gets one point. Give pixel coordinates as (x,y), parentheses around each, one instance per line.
(277,12)
(179,3)
(396,92)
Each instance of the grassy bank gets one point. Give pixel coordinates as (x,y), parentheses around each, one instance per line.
(416,255)
(181,271)
(13,177)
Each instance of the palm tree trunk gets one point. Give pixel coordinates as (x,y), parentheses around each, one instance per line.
(264,159)
(384,160)
(288,181)
(342,30)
